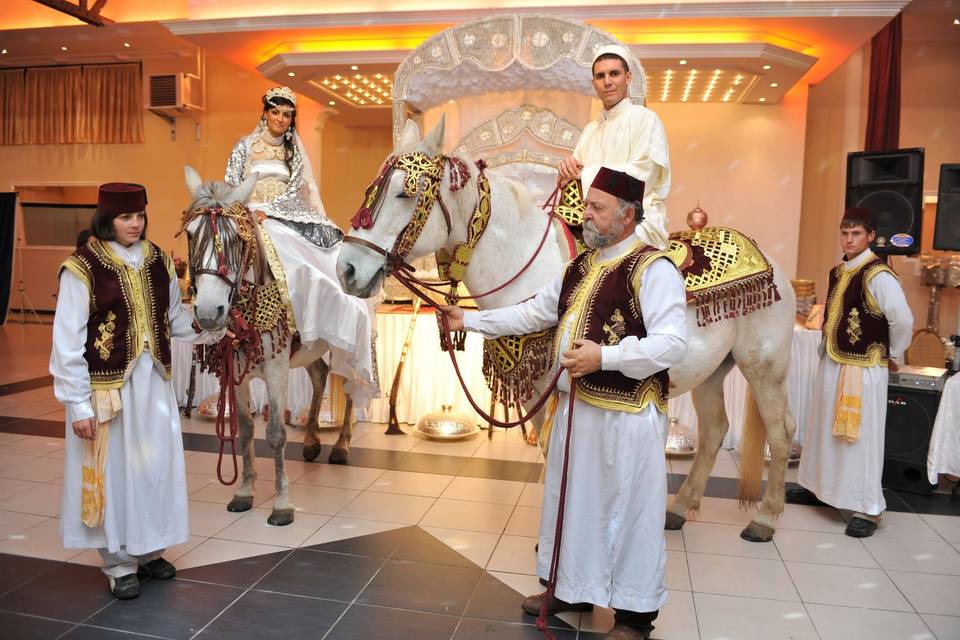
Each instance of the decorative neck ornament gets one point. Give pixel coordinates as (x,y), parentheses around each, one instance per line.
(270,140)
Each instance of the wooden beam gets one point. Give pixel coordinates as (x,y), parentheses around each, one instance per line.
(79,11)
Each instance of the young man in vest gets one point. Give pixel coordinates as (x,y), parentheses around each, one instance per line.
(866,328)
(620,313)
(627,137)
(124,487)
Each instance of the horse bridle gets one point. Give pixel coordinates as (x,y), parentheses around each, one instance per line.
(422,178)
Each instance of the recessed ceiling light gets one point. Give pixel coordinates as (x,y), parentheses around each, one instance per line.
(956,21)
(354,67)
(64,48)
(683,62)
(291,73)
(126,44)
(763,99)
(4,52)
(766,67)
(774,84)
(332,103)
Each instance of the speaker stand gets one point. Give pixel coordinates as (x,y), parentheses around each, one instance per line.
(25,304)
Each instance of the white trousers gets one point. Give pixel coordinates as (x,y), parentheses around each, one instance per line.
(120,563)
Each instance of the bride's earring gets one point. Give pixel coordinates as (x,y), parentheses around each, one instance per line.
(263,121)
(288,134)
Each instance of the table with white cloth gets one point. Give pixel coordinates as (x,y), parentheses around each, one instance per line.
(428,380)
(944,453)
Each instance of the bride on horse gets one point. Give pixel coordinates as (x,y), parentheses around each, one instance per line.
(307,242)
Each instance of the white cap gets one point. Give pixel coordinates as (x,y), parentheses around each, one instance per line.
(616,50)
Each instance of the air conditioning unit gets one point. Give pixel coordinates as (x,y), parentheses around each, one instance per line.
(173,94)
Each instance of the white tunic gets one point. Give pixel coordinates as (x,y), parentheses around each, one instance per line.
(145,486)
(613,552)
(631,138)
(321,309)
(845,475)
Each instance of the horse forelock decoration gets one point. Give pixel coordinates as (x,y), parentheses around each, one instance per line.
(239,286)
(747,321)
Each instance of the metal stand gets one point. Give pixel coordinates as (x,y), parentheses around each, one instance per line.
(25,304)
(393,424)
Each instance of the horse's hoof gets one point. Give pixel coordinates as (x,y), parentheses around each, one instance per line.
(755,532)
(280,517)
(338,456)
(311,452)
(240,503)
(674,522)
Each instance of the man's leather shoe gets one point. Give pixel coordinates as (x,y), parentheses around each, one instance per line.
(799,495)
(860,528)
(158,569)
(621,631)
(532,605)
(125,587)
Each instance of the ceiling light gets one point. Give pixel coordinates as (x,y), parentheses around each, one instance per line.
(763,99)
(354,67)
(291,73)
(63,48)
(766,67)
(4,52)
(683,61)
(332,103)
(774,84)
(956,21)
(126,44)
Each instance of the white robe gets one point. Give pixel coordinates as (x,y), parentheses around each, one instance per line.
(631,138)
(845,475)
(613,552)
(145,486)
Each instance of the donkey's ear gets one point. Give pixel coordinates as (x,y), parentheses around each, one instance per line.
(410,137)
(433,141)
(193,180)
(242,193)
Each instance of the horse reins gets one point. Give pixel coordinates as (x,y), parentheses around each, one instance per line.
(398,267)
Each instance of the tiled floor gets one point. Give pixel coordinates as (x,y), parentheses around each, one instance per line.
(418,539)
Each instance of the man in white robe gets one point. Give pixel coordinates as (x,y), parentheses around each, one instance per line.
(627,137)
(613,550)
(842,460)
(134,427)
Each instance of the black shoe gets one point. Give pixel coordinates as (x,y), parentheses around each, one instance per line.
(125,587)
(860,528)
(158,569)
(799,495)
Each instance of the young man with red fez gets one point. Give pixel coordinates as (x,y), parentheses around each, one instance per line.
(124,487)
(620,312)
(627,137)
(866,327)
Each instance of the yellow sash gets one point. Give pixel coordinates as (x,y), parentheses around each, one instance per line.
(846,420)
(107,405)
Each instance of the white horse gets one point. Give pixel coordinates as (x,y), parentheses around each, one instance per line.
(758,343)
(211,306)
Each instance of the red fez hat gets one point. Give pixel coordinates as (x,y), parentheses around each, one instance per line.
(619,184)
(860,215)
(121,197)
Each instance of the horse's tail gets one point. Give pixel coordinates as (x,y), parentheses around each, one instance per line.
(751,462)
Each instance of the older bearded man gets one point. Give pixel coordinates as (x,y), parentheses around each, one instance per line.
(620,309)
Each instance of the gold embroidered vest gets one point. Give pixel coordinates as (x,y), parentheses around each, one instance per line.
(855,328)
(127,306)
(599,301)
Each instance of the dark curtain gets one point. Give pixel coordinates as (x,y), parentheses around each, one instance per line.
(7,201)
(883,113)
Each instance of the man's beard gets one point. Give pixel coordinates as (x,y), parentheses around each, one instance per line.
(596,240)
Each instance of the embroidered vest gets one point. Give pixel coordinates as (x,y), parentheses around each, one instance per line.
(855,328)
(599,301)
(127,306)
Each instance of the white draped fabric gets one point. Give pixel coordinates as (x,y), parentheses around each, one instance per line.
(428,380)
(944,454)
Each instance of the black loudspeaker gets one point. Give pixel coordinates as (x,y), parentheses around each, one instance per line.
(7,202)
(890,184)
(946,233)
(910,417)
